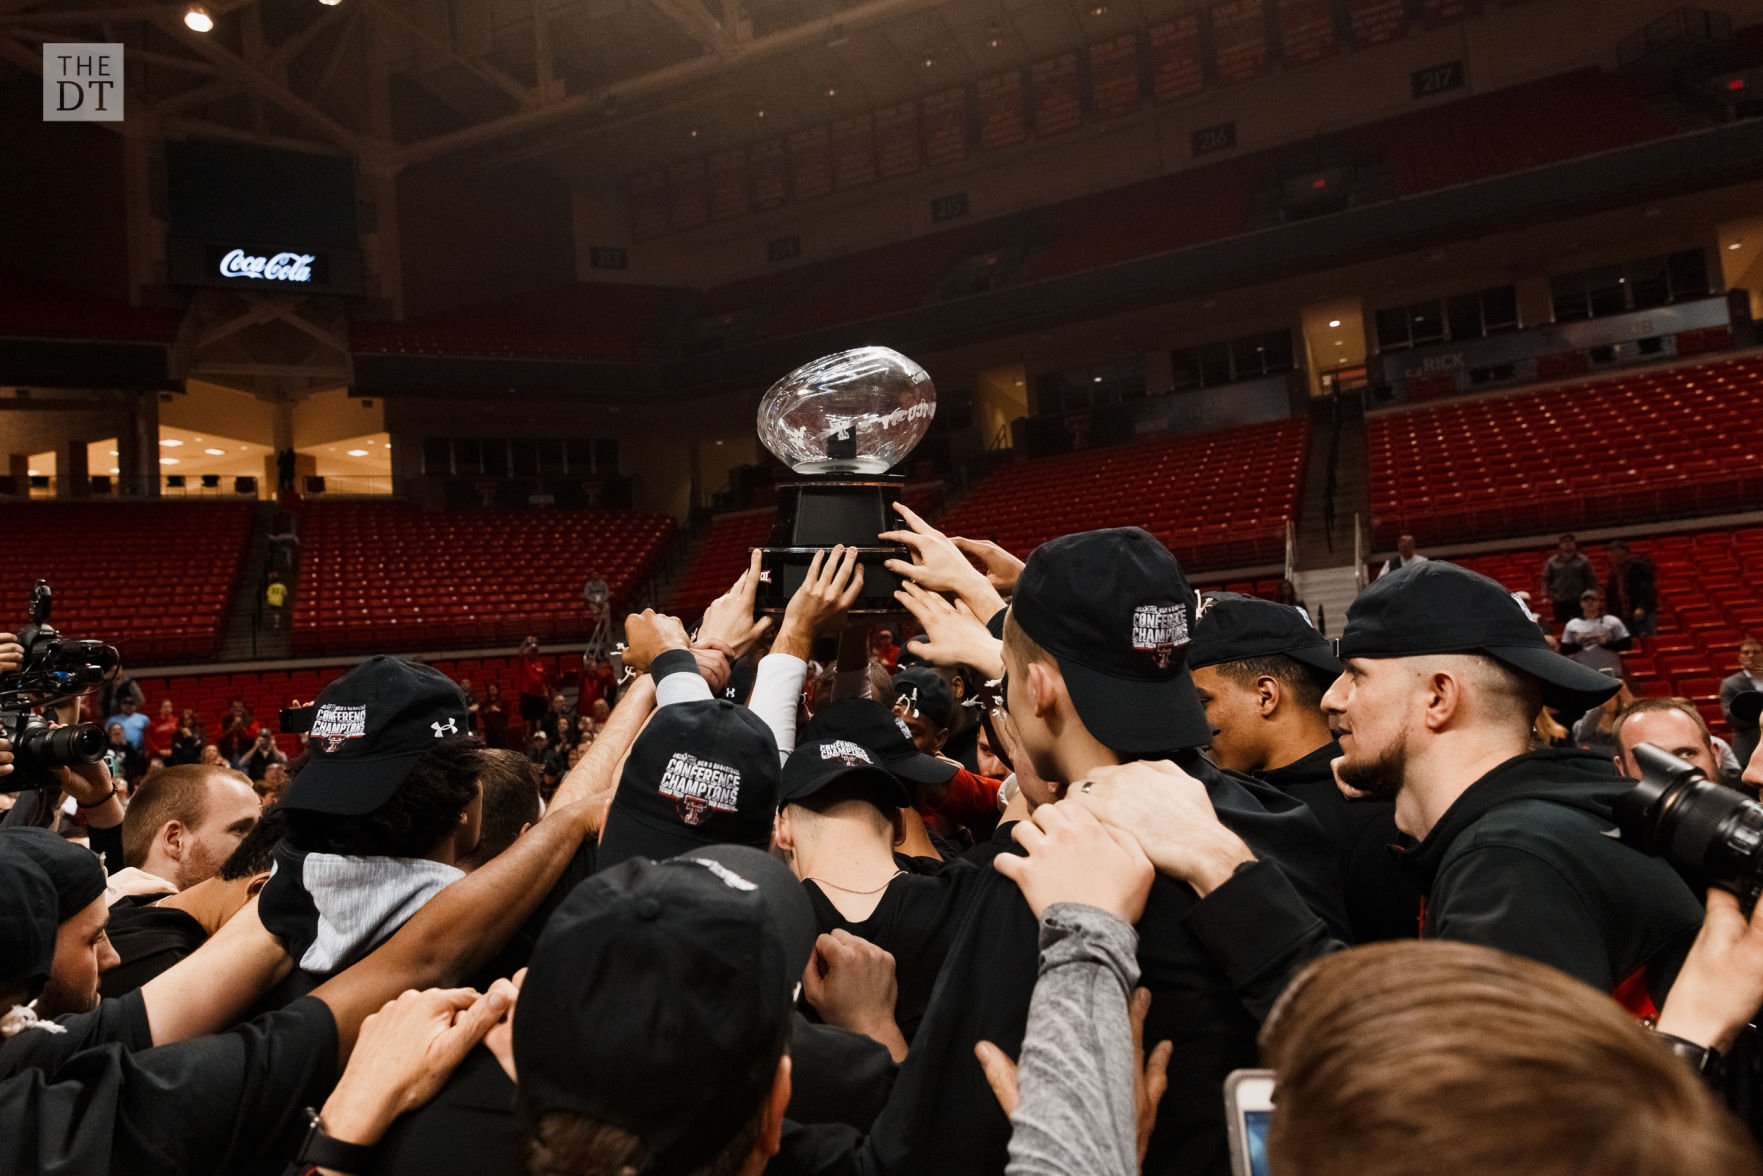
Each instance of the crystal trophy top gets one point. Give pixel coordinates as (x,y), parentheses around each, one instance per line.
(853,412)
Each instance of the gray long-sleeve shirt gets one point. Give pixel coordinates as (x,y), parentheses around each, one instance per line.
(1077,1116)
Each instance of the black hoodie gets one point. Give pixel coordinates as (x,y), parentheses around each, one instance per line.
(1528,860)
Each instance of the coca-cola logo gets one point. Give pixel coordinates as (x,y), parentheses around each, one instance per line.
(283,267)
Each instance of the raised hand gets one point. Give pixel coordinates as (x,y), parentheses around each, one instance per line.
(1001,568)
(956,636)
(831,587)
(850,982)
(729,619)
(648,635)
(939,565)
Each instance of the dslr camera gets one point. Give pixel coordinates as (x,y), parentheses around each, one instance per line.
(1712,834)
(55,670)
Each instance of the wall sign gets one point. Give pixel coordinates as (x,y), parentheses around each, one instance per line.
(278,267)
(1437,79)
(948,207)
(1215,138)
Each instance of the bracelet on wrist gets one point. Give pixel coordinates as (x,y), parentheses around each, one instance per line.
(101,801)
(1703,1059)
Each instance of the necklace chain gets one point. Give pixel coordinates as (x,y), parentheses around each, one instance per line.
(849,890)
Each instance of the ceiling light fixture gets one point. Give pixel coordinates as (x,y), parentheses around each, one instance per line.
(1735,244)
(168,461)
(330,3)
(930,62)
(358,453)
(1098,9)
(832,91)
(1334,322)
(170,443)
(215,452)
(197,19)
(692,134)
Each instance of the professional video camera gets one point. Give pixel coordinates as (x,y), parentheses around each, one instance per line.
(55,669)
(1710,832)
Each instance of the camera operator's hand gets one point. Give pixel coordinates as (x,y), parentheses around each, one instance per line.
(5,757)
(1720,987)
(648,635)
(833,583)
(729,619)
(11,654)
(1170,814)
(939,564)
(95,792)
(957,637)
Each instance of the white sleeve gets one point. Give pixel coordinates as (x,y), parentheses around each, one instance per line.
(681,688)
(1621,630)
(777,686)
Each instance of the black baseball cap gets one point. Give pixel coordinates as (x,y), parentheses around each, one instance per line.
(659,998)
(702,773)
(871,725)
(924,691)
(30,911)
(369,729)
(73,870)
(1747,705)
(1115,611)
(1233,627)
(1439,607)
(817,764)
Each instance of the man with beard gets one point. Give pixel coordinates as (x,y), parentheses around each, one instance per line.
(1516,848)
(184,821)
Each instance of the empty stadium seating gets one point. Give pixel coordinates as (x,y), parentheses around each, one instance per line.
(151,578)
(30,308)
(1708,599)
(590,321)
(1665,443)
(1219,500)
(387,575)
(266,692)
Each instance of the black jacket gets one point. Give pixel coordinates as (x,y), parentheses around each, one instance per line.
(1527,861)
(942,1120)
(1381,902)
(1631,588)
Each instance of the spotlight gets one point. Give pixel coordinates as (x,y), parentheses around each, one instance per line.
(1735,245)
(1098,9)
(330,3)
(197,19)
(357,453)
(930,62)
(215,452)
(832,91)
(1334,322)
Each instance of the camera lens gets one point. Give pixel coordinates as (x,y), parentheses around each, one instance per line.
(1706,830)
(41,746)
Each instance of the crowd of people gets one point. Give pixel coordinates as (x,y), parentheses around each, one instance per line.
(1016,894)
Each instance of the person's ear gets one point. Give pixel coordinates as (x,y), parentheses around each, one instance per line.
(898,821)
(1043,689)
(771,1126)
(784,833)
(255,885)
(1267,695)
(937,742)
(1444,699)
(171,840)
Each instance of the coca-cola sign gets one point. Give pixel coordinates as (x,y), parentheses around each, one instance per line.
(280,267)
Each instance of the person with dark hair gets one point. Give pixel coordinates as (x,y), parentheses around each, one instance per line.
(493,715)
(188,740)
(237,732)
(1260,670)
(1566,575)
(1632,588)
(511,804)
(1749,679)
(183,822)
(386,805)
(535,683)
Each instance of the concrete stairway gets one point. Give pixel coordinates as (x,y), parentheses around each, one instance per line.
(1327,592)
(245,640)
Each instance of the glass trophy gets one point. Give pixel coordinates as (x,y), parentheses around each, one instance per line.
(841,423)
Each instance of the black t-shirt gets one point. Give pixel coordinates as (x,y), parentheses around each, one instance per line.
(915,921)
(148,940)
(229,1103)
(121,1022)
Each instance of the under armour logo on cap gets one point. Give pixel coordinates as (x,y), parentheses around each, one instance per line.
(450,727)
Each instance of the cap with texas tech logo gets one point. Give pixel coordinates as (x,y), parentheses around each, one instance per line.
(857,773)
(369,729)
(1114,610)
(701,773)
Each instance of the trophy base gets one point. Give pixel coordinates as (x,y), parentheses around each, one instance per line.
(815,514)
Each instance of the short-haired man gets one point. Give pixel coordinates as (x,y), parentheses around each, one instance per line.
(1260,670)
(837,828)
(1669,724)
(387,804)
(1748,678)
(1632,589)
(510,784)
(131,719)
(1517,849)
(1566,575)
(1405,554)
(185,821)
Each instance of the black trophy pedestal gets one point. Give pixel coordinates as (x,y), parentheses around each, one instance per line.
(816,513)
